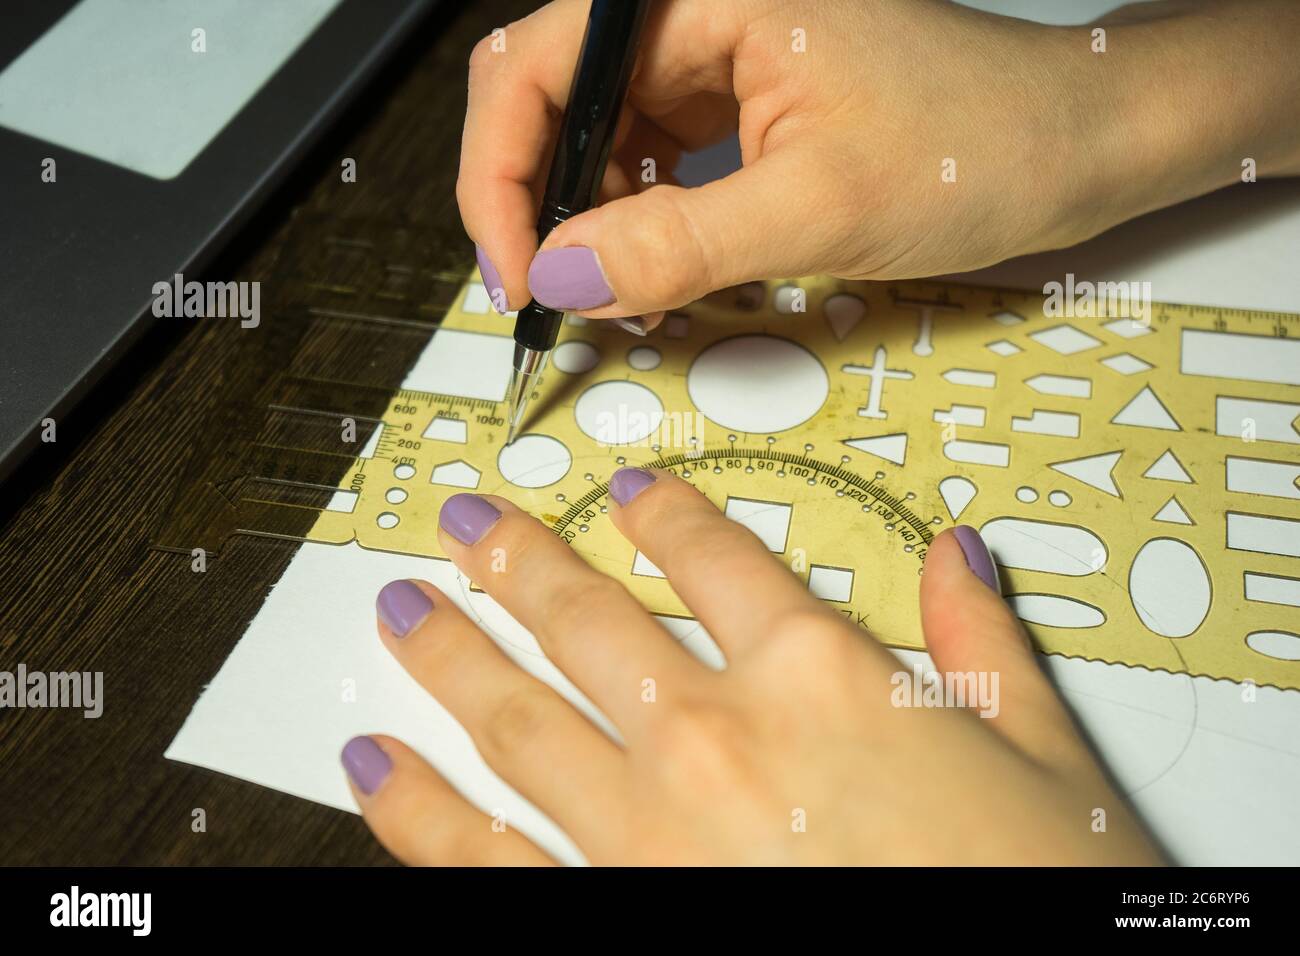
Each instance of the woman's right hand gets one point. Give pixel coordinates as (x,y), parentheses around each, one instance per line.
(882,140)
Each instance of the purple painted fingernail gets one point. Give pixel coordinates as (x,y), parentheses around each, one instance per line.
(366,763)
(633,323)
(627,483)
(492,280)
(977,555)
(402,606)
(467,517)
(569,278)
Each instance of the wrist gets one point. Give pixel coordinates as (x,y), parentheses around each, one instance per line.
(1176,107)
(1127,149)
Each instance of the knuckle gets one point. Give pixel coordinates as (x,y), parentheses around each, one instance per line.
(458,845)
(716,542)
(506,549)
(483,55)
(668,253)
(814,628)
(464,188)
(703,741)
(516,720)
(711,750)
(574,602)
(810,648)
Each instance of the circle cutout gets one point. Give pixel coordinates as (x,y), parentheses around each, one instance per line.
(757,383)
(789,299)
(644,358)
(575,357)
(618,413)
(534,461)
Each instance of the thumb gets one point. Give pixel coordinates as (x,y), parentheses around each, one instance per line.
(668,246)
(969,628)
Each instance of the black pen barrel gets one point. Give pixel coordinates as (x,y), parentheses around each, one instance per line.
(586,137)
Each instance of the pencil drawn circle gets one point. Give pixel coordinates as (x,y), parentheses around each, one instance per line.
(534,461)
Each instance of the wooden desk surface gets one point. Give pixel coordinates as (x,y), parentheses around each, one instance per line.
(83,589)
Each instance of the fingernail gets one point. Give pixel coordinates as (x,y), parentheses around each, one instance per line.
(977,555)
(366,763)
(569,278)
(627,483)
(492,280)
(633,323)
(401,605)
(467,517)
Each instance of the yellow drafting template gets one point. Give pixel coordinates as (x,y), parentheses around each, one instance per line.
(1137,479)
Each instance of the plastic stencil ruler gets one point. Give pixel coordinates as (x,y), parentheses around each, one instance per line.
(1137,479)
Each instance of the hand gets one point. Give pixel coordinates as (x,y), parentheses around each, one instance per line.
(724,767)
(892,139)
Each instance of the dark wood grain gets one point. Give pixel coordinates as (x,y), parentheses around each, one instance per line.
(83,583)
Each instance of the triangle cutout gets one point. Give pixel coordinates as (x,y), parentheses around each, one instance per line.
(843,312)
(957,493)
(1173,513)
(1168,468)
(1095,471)
(1145,410)
(892,448)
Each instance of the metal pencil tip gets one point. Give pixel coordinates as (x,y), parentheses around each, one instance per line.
(527,370)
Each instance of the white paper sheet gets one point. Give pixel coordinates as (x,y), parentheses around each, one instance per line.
(1214,777)
(311,673)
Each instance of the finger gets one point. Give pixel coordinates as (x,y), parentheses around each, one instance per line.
(969,628)
(638,325)
(526,732)
(718,567)
(517,91)
(586,622)
(419,818)
(668,246)
(518,86)
(519,83)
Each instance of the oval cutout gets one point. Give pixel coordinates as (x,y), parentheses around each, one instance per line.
(1169,587)
(1055,610)
(1044,546)
(1279,645)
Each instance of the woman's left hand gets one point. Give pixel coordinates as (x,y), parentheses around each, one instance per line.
(796,753)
